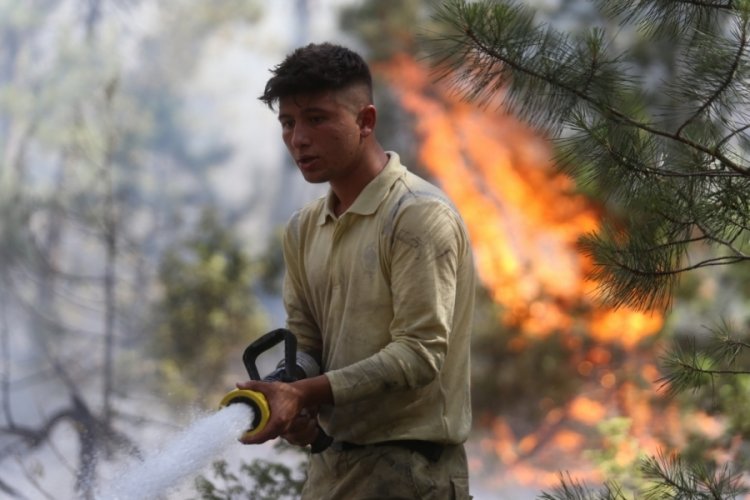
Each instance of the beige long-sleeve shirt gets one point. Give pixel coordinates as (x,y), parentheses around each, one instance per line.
(383,296)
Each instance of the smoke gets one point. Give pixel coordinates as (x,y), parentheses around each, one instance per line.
(45,366)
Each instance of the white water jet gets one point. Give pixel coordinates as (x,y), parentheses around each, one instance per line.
(185,455)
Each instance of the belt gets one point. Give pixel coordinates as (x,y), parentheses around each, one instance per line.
(428,449)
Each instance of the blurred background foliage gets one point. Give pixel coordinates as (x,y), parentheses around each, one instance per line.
(207,313)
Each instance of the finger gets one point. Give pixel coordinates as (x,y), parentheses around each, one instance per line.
(253,385)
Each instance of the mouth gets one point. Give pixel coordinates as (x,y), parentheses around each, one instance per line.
(305,162)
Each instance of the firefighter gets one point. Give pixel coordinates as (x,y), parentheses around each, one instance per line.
(379,290)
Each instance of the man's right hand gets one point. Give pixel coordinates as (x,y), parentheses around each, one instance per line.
(286,402)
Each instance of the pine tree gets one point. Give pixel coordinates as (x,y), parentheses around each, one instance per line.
(668,158)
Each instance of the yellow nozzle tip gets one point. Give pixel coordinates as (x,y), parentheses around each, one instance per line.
(257,401)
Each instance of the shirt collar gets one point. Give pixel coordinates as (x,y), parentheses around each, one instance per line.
(372,195)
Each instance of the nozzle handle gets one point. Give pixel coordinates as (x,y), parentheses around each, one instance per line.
(264,343)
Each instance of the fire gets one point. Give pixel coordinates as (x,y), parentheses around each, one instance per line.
(524,220)
(587,410)
(624,326)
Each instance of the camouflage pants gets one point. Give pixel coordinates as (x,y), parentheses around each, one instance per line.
(387,472)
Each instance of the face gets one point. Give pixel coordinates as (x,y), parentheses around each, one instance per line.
(324,133)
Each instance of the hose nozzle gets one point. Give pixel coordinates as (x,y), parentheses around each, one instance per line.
(256,401)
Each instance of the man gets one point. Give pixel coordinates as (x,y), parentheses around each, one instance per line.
(379,289)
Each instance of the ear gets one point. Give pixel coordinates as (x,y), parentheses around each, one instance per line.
(366,120)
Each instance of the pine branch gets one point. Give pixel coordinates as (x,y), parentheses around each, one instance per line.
(724,242)
(572,489)
(651,9)
(464,17)
(693,167)
(734,133)
(669,16)
(726,4)
(673,477)
(693,368)
(633,268)
(631,162)
(639,270)
(727,345)
(725,83)
(639,267)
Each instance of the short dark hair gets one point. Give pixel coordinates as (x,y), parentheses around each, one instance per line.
(315,68)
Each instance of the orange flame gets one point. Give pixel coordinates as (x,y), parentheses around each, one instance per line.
(524,219)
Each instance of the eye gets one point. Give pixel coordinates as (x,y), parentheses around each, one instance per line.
(286,124)
(317,120)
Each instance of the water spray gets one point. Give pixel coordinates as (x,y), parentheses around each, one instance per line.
(294,366)
(209,436)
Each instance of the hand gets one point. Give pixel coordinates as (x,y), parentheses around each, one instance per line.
(303,430)
(285,403)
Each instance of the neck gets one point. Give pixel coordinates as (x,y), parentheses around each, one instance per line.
(347,190)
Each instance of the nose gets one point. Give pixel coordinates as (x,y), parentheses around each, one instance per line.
(299,137)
